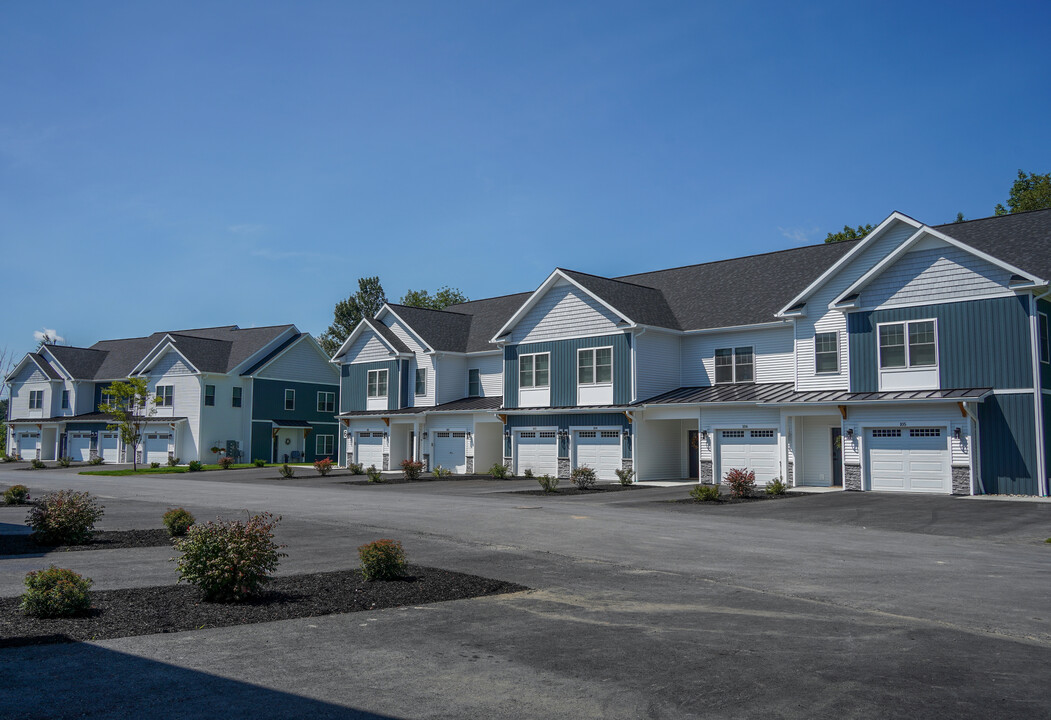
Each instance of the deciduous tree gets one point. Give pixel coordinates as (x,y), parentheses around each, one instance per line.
(1029,192)
(364,303)
(443,298)
(132,405)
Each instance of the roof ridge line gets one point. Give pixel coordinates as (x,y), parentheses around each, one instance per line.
(741,257)
(612,279)
(989,217)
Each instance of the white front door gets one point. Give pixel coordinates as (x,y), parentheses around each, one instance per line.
(599,450)
(909,460)
(108,447)
(28,445)
(536,450)
(450,451)
(78,446)
(754,450)
(370,449)
(155,448)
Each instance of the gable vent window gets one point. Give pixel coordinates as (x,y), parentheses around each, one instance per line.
(826,352)
(735,365)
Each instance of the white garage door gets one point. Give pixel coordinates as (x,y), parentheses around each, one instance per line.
(599,450)
(370,449)
(749,450)
(108,447)
(78,446)
(155,447)
(909,460)
(450,451)
(536,450)
(28,444)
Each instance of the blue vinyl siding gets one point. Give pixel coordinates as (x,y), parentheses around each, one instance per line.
(1045,368)
(564,368)
(1007,445)
(85,427)
(354,384)
(564,421)
(981,343)
(1047,439)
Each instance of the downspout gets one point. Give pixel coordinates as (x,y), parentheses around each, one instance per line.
(1038,399)
(975,467)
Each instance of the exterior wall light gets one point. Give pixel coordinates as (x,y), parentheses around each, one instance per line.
(956,432)
(850,433)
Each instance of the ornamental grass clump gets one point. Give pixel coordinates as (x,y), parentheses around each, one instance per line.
(777,486)
(441,473)
(625,475)
(411,469)
(549,483)
(323,466)
(66,517)
(374,475)
(16,495)
(583,477)
(500,472)
(705,493)
(178,521)
(356,469)
(382,560)
(287,471)
(741,482)
(55,592)
(230,560)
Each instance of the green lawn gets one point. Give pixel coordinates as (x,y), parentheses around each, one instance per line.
(165,470)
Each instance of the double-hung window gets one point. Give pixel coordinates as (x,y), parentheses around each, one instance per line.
(421,381)
(1045,340)
(36,399)
(165,395)
(907,345)
(377,383)
(826,352)
(235,399)
(290,399)
(474,383)
(324,445)
(65,399)
(735,365)
(534,370)
(209,394)
(326,402)
(106,399)
(595,366)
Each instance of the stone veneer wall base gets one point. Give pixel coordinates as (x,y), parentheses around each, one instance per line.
(961,481)
(851,477)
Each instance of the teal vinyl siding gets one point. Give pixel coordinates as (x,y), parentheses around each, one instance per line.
(263,441)
(268,401)
(1007,445)
(564,368)
(981,343)
(564,421)
(354,384)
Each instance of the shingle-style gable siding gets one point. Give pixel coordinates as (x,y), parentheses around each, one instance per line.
(935,274)
(564,312)
(301,362)
(30,373)
(367,348)
(171,364)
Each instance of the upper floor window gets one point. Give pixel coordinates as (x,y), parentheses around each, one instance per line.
(165,395)
(595,366)
(1045,347)
(65,399)
(106,399)
(421,381)
(209,394)
(235,399)
(474,382)
(290,399)
(534,370)
(826,352)
(735,365)
(908,345)
(36,399)
(377,383)
(326,402)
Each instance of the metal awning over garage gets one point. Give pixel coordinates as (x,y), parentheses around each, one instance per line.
(785,394)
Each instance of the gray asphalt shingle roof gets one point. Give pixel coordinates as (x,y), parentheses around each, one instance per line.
(1022,239)
(388,335)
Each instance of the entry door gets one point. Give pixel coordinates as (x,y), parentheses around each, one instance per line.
(837,457)
(694,449)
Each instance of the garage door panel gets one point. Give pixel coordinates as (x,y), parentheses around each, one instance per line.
(450,451)
(370,449)
(600,450)
(108,447)
(536,450)
(79,446)
(909,460)
(754,450)
(156,447)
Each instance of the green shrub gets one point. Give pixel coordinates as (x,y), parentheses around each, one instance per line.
(500,472)
(741,482)
(382,560)
(705,493)
(195,466)
(375,476)
(323,466)
(259,462)
(16,495)
(626,476)
(225,462)
(65,517)
(411,469)
(356,469)
(777,486)
(55,592)
(441,473)
(287,471)
(229,560)
(528,473)
(173,461)
(548,482)
(97,460)
(583,477)
(154,465)
(65,461)
(178,521)
(37,464)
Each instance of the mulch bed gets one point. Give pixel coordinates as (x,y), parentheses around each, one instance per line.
(727,500)
(101,540)
(174,608)
(403,481)
(573,490)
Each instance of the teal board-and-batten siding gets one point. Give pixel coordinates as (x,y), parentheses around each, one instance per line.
(981,343)
(354,380)
(1007,445)
(263,441)
(564,368)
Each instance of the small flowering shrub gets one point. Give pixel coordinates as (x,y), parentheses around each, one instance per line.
(527,473)
(225,462)
(65,461)
(65,517)
(16,495)
(548,482)
(178,521)
(382,560)
(500,472)
(741,482)
(259,462)
(625,476)
(375,476)
(154,465)
(195,466)
(97,460)
(323,466)
(705,493)
(412,469)
(229,560)
(173,461)
(55,592)
(777,486)
(37,464)
(441,473)
(583,477)
(287,471)
(356,469)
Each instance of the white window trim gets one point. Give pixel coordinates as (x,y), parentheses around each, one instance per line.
(35,395)
(594,366)
(368,382)
(320,450)
(212,403)
(534,386)
(416,386)
(234,397)
(1042,328)
(733,366)
(324,409)
(838,366)
(158,391)
(908,355)
(480,391)
(290,390)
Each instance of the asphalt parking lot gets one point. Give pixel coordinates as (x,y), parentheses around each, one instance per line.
(833,605)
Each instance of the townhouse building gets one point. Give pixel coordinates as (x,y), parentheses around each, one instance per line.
(267,393)
(916,359)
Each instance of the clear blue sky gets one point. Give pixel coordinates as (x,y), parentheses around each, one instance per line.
(182,164)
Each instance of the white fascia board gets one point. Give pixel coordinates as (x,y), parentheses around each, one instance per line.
(53,359)
(541,291)
(879,267)
(18,368)
(157,353)
(388,309)
(251,359)
(476,353)
(735,328)
(987,257)
(843,261)
(304,337)
(361,327)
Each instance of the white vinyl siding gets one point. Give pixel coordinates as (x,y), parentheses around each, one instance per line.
(188,394)
(367,348)
(774,361)
(427,364)
(302,363)
(28,379)
(564,312)
(826,352)
(490,371)
(935,274)
(451,378)
(658,363)
(474,383)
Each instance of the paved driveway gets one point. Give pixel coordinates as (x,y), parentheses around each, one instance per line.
(827,606)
